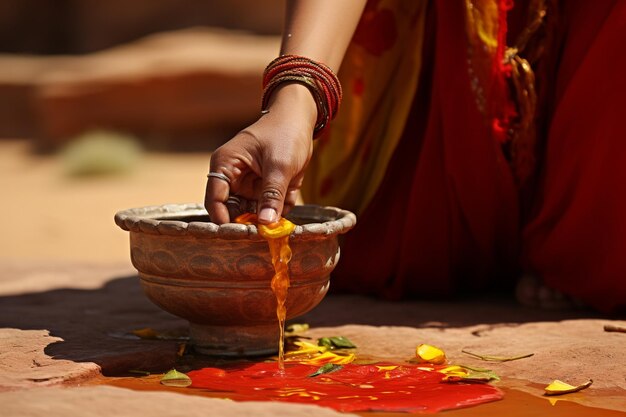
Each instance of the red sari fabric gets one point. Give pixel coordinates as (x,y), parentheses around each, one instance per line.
(446,217)
(576,242)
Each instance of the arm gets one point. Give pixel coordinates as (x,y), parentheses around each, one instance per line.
(321,29)
(266,161)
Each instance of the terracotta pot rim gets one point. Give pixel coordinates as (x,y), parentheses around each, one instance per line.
(162,220)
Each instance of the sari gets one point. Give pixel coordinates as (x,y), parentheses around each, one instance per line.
(449,201)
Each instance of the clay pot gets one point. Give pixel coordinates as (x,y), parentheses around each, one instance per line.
(218,277)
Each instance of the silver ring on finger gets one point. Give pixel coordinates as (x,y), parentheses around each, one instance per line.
(219,176)
(233,200)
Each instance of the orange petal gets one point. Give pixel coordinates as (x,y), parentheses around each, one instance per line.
(281,228)
(246,218)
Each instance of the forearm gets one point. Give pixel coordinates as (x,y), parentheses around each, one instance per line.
(321,29)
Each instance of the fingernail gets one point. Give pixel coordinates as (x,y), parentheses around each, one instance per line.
(268,215)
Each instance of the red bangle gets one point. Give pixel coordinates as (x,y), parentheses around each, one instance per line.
(317,77)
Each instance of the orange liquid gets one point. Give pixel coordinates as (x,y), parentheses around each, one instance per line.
(277,236)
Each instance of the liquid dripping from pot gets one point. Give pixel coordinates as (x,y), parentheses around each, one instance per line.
(277,236)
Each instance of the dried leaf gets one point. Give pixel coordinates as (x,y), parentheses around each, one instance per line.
(336,342)
(490,358)
(326,369)
(430,354)
(138,371)
(559,387)
(146,333)
(175,379)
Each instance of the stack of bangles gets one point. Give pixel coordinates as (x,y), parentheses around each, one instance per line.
(317,77)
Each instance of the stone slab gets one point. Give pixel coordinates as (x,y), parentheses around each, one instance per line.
(23,362)
(109,401)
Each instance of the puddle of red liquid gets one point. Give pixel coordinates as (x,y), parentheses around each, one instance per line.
(516,403)
(375,387)
(521,404)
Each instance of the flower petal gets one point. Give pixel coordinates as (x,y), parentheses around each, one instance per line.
(559,387)
(430,354)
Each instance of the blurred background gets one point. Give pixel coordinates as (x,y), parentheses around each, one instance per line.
(107,105)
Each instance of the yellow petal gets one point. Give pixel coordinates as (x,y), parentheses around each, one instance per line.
(305,348)
(430,354)
(454,370)
(559,387)
(330,357)
(303,344)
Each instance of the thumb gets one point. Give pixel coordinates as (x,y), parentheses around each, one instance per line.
(273,192)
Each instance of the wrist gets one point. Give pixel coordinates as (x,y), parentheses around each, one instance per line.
(296,101)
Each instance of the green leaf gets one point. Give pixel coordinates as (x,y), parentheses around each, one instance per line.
(326,369)
(475,369)
(482,375)
(336,342)
(175,379)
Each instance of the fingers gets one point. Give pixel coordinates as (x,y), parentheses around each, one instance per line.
(293,193)
(215,197)
(233,204)
(290,200)
(273,193)
(238,205)
(224,203)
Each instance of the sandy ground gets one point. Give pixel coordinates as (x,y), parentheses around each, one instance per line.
(47,216)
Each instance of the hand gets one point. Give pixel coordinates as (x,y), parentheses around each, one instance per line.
(266,161)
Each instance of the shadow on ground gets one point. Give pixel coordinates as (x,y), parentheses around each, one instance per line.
(96,324)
